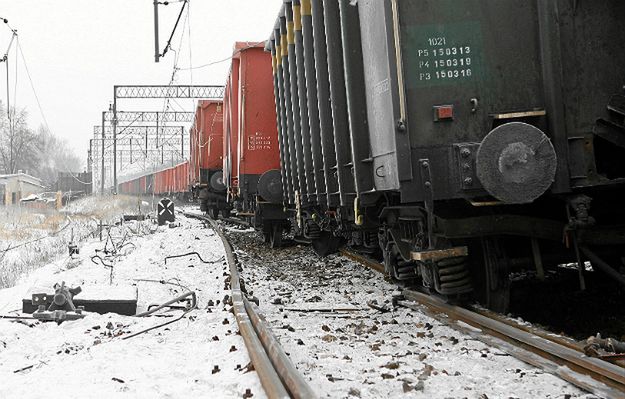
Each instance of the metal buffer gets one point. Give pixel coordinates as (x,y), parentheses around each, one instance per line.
(61,307)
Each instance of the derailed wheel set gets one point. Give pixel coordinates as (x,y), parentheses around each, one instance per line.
(460,141)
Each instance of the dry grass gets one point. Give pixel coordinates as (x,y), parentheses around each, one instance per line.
(40,236)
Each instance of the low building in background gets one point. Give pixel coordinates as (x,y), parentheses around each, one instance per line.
(78,184)
(17,186)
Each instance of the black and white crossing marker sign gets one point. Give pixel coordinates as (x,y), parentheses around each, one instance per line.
(165,211)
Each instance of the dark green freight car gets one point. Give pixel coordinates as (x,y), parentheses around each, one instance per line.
(469,138)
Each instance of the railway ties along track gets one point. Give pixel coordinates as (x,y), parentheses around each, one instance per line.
(278,375)
(538,348)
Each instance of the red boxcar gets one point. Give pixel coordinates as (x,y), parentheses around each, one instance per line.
(206,143)
(174,180)
(250,122)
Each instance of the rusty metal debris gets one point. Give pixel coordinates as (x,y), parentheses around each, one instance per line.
(196,254)
(138,218)
(190,306)
(157,326)
(377,307)
(608,349)
(23,369)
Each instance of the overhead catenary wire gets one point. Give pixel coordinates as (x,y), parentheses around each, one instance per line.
(167,101)
(226,59)
(190,42)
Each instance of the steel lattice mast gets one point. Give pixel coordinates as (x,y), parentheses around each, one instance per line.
(155,92)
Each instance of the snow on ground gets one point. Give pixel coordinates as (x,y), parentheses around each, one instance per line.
(29,238)
(361,352)
(89,358)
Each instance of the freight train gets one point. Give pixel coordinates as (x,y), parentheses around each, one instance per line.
(462,139)
(458,140)
(234,156)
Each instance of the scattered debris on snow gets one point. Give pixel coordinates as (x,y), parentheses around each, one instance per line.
(192,357)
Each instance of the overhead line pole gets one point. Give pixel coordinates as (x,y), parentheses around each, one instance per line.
(157,55)
(103,140)
(156,91)
(115,142)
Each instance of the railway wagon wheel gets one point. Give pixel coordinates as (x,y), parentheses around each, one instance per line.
(491,274)
(326,244)
(267,232)
(275,240)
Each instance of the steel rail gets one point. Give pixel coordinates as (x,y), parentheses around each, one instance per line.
(574,366)
(376,266)
(561,340)
(553,354)
(278,375)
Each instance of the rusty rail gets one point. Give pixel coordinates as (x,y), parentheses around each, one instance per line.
(556,355)
(278,375)
(362,260)
(563,361)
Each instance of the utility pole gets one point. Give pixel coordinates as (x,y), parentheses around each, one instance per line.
(157,54)
(103,140)
(156,91)
(90,160)
(156,49)
(115,144)
(5,59)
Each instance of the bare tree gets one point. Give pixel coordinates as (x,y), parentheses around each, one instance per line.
(54,156)
(17,142)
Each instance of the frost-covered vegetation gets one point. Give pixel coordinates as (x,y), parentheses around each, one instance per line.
(31,238)
(37,152)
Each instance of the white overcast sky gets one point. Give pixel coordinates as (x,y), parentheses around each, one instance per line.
(76,50)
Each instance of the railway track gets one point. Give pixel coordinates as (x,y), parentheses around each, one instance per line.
(278,375)
(556,355)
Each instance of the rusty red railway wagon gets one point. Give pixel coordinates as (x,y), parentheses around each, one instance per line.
(251,149)
(170,181)
(174,180)
(206,163)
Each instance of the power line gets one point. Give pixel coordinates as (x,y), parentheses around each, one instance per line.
(167,102)
(32,86)
(250,45)
(190,43)
(43,115)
